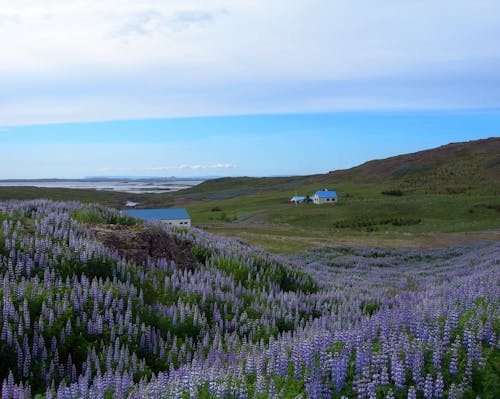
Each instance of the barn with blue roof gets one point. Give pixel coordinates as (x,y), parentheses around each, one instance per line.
(325,197)
(177,217)
(298,199)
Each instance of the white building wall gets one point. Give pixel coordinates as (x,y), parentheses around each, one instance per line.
(178,222)
(319,201)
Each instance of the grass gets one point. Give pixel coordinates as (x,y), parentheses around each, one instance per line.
(367,210)
(364,215)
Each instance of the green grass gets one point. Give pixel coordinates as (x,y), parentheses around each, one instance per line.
(415,212)
(363,215)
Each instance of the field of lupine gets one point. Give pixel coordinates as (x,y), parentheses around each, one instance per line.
(79,321)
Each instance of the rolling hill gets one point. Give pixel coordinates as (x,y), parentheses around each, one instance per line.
(456,166)
(467,166)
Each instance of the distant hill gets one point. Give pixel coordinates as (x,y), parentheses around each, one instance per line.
(455,166)
(452,168)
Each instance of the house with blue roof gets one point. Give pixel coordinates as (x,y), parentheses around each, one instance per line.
(298,199)
(325,197)
(176,217)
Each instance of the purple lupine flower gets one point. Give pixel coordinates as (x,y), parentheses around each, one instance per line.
(454,357)
(398,373)
(439,386)
(428,387)
(384,376)
(453,392)
(437,354)
(412,393)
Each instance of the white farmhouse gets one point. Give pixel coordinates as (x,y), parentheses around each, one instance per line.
(176,217)
(325,197)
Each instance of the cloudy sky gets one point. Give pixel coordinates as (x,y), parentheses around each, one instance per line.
(78,61)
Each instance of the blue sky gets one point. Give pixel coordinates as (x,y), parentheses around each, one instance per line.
(254,145)
(231,87)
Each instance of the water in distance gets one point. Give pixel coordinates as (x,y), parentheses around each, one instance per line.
(124,185)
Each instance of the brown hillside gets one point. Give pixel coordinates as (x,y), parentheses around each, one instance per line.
(455,166)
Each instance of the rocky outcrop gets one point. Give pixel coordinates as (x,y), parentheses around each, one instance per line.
(138,246)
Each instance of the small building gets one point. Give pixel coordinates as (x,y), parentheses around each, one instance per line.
(325,197)
(298,199)
(176,217)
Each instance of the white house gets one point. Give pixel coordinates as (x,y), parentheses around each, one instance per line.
(176,217)
(325,197)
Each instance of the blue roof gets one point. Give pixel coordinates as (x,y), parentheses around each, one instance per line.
(326,194)
(298,198)
(158,214)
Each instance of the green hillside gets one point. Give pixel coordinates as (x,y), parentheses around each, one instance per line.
(457,167)
(452,168)
(427,198)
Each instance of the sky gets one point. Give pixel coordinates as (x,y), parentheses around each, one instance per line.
(264,145)
(240,87)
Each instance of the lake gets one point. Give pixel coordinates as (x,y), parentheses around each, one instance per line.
(125,185)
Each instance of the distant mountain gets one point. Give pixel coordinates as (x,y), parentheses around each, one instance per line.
(452,168)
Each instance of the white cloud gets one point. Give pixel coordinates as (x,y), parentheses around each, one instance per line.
(92,60)
(191,167)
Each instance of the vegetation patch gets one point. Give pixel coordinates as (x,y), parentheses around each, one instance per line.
(368,222)
(405,170)
(394,193)
(494,207)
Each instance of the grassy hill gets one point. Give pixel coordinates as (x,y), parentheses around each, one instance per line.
(437,197)
(456,167)
(452,168)
(426,198)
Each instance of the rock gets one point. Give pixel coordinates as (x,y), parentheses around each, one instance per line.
(153,243)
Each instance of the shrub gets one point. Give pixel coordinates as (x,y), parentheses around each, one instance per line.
(395,193)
